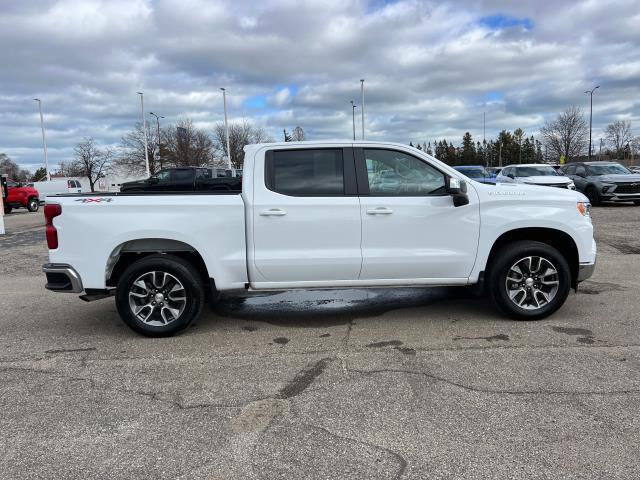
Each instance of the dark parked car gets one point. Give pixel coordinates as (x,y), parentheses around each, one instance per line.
(604,181)
(184,179)
(477,173)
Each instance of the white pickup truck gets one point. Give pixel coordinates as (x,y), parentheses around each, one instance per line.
(320,215)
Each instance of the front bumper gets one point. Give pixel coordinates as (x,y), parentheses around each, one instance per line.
(619,197)
(585,270)
(62,278)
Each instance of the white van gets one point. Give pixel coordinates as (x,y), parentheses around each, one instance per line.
(57,186)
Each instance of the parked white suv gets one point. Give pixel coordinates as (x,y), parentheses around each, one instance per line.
(535,174)
(320,215)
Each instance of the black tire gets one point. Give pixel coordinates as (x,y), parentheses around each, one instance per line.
(593,195)
(182,272)
(636,202)
(7,210)
(512,254)
(33,204)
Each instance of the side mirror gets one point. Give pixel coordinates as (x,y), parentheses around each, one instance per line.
(511,176)
(458,190)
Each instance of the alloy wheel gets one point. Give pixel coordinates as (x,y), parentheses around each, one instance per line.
(157,298)
(532,282)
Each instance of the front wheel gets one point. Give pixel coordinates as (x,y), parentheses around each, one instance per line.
(593,195)
(160,295)
(529,280)
(33,205)
(7,210)
(636,202)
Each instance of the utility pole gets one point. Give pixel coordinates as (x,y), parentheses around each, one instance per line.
(362,104)
(44,140)
(144,128)
(158,117)
(226,127)
(353,112)
(590,92)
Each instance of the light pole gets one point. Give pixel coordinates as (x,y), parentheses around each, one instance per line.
(362,104)
(158,117)
(44,140)
(484,139)
(226,126)
(144,128)
(353,112)
(590,92)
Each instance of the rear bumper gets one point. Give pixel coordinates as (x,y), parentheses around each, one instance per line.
(585,270)
(62,278)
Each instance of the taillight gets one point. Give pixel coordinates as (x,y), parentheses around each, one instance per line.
(50,212)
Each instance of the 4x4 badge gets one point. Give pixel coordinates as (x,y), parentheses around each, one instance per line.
(94,200)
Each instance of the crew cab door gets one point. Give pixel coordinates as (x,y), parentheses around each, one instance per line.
(305,218)
(410,227)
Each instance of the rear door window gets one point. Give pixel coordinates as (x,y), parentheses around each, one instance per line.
(318,172)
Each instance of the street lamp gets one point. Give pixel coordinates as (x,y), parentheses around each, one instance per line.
(158,117)
(144,128)
(353,111)
(226,126)
(590,92)
(362,104)
(44,140)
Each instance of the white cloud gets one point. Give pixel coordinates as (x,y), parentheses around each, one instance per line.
(430,69)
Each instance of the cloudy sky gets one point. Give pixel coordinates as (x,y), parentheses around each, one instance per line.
(431,68)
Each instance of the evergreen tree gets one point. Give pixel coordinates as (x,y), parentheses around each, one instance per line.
(287,137)
(429,151)
(468,153)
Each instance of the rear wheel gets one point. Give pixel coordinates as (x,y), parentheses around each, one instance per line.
(33,204)
(160,295)
(529,280)
(636,202)
(7,210)
(593,195)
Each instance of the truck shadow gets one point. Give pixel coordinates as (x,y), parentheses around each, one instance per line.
(325,308)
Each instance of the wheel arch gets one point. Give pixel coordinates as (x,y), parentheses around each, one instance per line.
(130,251)
(558,239)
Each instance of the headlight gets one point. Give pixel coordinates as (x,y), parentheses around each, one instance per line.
(584,209)
(571,186)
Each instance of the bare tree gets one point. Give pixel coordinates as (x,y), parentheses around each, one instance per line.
(618,135)
(90,161)
(567,134)
(186,145)
(132,157)
(12,169)
(297,135)
(241,134)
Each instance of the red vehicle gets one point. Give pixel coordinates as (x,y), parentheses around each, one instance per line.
(20,195)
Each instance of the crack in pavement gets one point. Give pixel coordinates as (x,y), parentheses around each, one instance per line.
(401,460)
(496,391)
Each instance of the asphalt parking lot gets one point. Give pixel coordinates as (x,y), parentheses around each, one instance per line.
(399,383)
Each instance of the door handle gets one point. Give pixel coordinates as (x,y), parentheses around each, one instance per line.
(379,211)
(273,212)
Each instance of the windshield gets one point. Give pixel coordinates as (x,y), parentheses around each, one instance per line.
(535,171)
(477,172)
(609,169)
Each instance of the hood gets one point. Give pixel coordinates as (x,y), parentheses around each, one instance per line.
(545,180)
(619,178)
(522,191)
